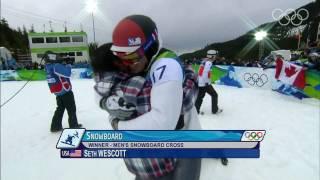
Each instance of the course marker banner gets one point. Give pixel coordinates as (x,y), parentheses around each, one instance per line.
(82,143)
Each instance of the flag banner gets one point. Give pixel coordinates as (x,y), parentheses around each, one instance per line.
(81,143)
(290,73)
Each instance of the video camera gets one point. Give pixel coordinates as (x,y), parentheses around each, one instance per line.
(51,57)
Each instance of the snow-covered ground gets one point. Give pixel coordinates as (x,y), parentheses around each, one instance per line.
(290,149)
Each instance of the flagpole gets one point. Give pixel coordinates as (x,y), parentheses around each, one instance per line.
(299,39)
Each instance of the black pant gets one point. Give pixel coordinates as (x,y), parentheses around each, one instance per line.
(214,98)
(65,101)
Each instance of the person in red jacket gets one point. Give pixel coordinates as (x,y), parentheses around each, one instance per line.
(58,77)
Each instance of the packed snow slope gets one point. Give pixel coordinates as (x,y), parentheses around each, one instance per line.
(290,149)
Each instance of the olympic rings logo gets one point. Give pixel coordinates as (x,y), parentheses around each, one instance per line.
(254,136)
(296,19)
(255,79)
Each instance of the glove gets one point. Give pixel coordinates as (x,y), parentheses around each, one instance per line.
(118,108)
(114,123)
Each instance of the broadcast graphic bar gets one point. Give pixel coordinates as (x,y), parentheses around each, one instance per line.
(81,143)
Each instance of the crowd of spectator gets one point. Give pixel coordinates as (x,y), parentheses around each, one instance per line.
(224,61)
(13,65)
(309,58)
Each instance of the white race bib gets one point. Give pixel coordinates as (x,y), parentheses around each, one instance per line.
(166,69)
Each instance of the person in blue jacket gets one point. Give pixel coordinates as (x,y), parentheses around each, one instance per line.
(58,77)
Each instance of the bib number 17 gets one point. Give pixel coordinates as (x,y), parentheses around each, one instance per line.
(158,73)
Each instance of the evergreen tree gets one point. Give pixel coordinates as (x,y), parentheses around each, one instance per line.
(32,29)
(16,40)
(277,33)
(92,49)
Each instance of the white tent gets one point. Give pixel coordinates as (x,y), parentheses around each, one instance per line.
(5,54)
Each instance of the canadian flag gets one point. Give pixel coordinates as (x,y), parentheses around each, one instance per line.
(290,73)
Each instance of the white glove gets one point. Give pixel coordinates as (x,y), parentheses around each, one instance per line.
(118,108)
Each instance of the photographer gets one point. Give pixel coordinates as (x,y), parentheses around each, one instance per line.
(58,77)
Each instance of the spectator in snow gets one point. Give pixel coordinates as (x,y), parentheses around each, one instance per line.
(58,77)
(204,83)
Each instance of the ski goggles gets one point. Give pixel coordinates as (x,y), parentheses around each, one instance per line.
(131,58)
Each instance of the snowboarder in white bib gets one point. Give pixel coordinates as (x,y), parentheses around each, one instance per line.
(137,47)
